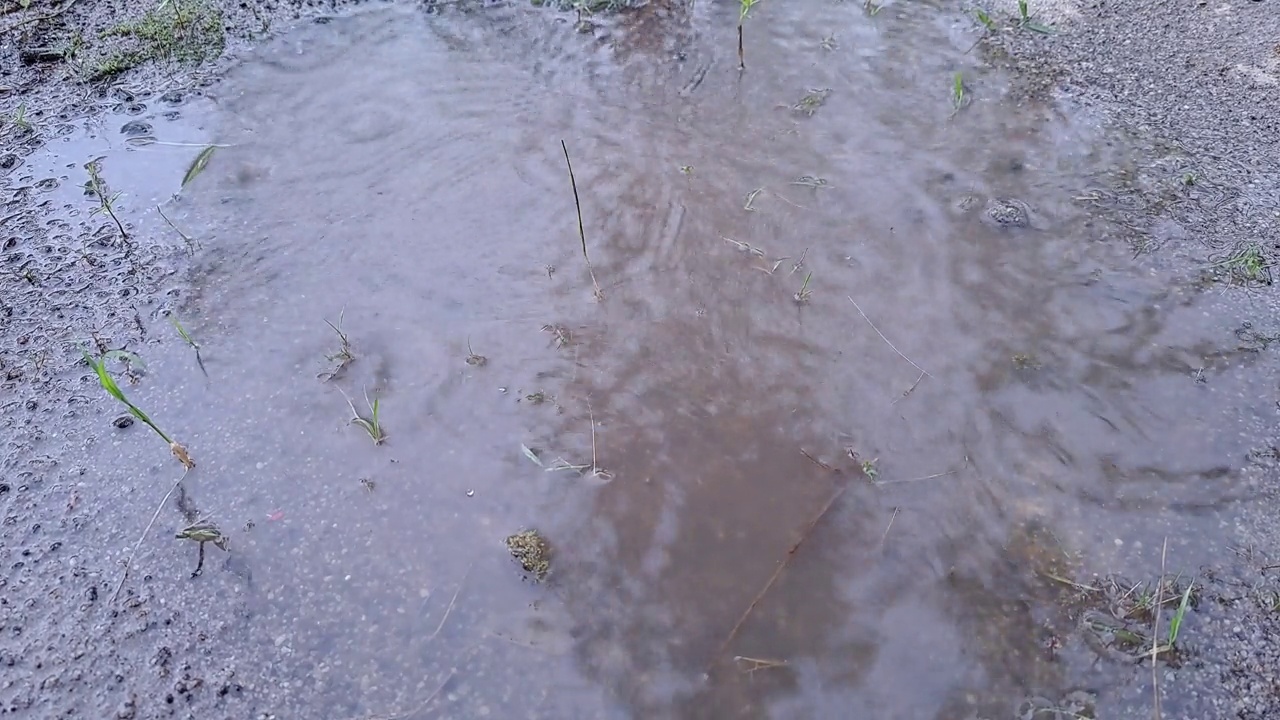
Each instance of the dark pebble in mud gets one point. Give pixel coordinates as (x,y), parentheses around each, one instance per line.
(4,488)
(122,422)
(173,97)
(9,161)
(1007,213)
(135,108)
(135,128)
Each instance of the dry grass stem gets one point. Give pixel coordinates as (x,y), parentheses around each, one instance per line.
(129,563)
(1155,630)
(451,604)
(886,340)
(582,233)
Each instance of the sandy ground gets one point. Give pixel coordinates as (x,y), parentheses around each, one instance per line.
(1197,83)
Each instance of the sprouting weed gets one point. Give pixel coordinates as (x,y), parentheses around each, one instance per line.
(870,470)
(19,119)
(802,295)
(1247,263)
(344,356)
(473,358)
(1175,625)
(108,383)
(1188,179)
(686,169)
(559,333)
(958,97)
(985,18)
(1024,14)
(187,337)
(97,187)
(371,424)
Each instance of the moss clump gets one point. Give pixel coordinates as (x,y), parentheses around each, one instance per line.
(532,551)
(188,31)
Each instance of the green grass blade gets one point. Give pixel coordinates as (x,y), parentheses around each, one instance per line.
(109,384)
(198,165)
(1037,27)
(1175,625)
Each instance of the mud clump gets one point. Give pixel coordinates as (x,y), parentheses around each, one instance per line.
(532,551)
(1004,212)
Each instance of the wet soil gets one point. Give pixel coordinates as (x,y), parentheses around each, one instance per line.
(879,401)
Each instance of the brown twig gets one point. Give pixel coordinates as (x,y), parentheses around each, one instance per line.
(816,461)
(804,535)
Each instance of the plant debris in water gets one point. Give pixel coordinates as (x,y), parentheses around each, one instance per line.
(809,104)
(532,551)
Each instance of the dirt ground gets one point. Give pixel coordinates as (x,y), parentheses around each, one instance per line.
(1197,85)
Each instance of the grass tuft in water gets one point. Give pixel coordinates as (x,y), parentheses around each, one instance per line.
(370,424)
(108,383)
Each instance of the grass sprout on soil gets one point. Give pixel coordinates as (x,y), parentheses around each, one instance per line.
(19,119)
(582,233)
(371,424)
(803,294)
(186,31)
(97,187)
(1247,264)
(108,383)
(958,97)
(182,331)
(1025,21)
(985,18)
(343,356)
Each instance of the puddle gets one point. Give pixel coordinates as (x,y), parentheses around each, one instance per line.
(787,283)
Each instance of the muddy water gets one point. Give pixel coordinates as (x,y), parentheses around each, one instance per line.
(404,172)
